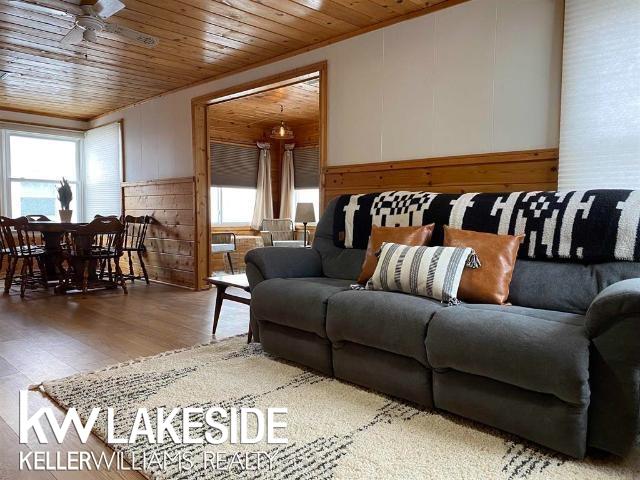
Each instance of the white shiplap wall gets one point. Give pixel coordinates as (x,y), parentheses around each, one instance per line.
(479,77)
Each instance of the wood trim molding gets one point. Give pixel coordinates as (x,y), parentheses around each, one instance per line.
(490,172)
(158,182)
(201,153)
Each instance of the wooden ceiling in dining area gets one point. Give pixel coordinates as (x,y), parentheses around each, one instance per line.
(198,40)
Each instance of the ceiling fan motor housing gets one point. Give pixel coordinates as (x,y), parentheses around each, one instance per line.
(91,25)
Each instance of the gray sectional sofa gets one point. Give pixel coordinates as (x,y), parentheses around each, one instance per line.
(560,367)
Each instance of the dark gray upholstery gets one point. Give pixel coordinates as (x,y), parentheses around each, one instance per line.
(613,322)
(301,347)
(336,262)
(387,321)
(297,303)
(538,417)
(563,286)
(560,367)
(283,262)
(546,353)
(382,371)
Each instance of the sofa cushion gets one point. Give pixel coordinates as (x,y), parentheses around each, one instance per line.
(539,350)
(296,302)
(389,321)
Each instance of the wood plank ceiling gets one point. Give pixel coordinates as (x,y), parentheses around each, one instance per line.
(199,39)
(244,120)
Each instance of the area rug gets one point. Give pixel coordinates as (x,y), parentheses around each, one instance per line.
(334,429)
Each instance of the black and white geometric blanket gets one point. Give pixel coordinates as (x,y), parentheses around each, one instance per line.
(589,226)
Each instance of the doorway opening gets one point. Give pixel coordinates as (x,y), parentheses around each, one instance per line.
(259,149)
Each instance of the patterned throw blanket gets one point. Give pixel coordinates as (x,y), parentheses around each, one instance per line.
(587,226)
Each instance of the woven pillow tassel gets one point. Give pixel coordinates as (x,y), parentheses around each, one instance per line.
(473,261)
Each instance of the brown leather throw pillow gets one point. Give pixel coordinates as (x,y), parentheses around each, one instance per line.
(412,236)
(497,254)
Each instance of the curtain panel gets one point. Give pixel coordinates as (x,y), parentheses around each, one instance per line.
(264,198)
(287,184)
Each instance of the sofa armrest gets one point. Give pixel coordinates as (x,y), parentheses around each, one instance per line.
(282,262)
(613,325)
(614,303)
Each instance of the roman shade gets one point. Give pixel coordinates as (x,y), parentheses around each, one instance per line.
(306,163)
(234,165)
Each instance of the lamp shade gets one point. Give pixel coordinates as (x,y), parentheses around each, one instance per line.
(305,213)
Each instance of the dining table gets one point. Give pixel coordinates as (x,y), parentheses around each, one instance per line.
(53,234)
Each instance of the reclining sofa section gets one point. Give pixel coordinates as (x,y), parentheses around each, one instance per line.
(559,367)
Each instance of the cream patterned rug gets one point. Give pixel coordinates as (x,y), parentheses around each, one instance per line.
(334,429)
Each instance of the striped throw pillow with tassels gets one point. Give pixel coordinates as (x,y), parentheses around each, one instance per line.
(432,272)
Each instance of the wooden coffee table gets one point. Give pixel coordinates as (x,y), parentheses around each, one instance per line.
(222,282)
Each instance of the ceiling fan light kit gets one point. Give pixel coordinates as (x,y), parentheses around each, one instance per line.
(89,20)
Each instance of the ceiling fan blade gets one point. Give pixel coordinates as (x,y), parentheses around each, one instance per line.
(139,37)
(50,7)
(75,36)
(107,8)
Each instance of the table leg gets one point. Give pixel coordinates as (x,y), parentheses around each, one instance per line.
(52,253)
(220,289)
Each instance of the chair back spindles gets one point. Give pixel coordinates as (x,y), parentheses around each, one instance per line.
(135,234)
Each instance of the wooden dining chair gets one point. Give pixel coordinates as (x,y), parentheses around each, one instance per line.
(99,242)
(135,233)
(23,245)
(38,218)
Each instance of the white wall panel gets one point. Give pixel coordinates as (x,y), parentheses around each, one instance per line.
(420,88)
(465,39)
(527,74)
(408,90)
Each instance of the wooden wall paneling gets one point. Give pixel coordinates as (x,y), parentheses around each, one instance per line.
(171,247)
(199,40)
(492,172)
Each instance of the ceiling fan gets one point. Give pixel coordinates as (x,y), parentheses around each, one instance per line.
(89,19)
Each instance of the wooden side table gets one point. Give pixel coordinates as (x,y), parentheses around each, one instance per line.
(222,282)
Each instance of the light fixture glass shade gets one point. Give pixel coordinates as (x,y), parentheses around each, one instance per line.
(282,132)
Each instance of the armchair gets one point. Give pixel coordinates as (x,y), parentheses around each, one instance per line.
(280,232)
(225,243)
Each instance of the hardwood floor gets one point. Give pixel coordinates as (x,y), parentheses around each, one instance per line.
(45,337)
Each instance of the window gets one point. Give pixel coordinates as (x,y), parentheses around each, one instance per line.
(34,167)
(34,160)
(311,195)
(232,206)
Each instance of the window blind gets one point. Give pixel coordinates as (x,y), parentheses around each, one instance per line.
(234,165)
(103,171)
(600,125)
(306,166)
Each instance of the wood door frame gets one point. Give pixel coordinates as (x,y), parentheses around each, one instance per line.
(201,160)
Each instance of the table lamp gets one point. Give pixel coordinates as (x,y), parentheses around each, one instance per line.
(305,213)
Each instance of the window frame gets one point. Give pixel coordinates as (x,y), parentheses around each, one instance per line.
(216,217)
(6,132)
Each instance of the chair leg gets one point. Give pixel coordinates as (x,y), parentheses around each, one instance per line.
(131,275)
(43,272)
(11,271)
(85,276)
(24,274)
(120,277)
(144,267)
(110,270)
(230,262)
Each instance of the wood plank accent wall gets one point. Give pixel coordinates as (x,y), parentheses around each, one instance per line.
(489,172)
(170,256)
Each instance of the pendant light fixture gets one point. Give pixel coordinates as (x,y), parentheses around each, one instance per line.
(281,131)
